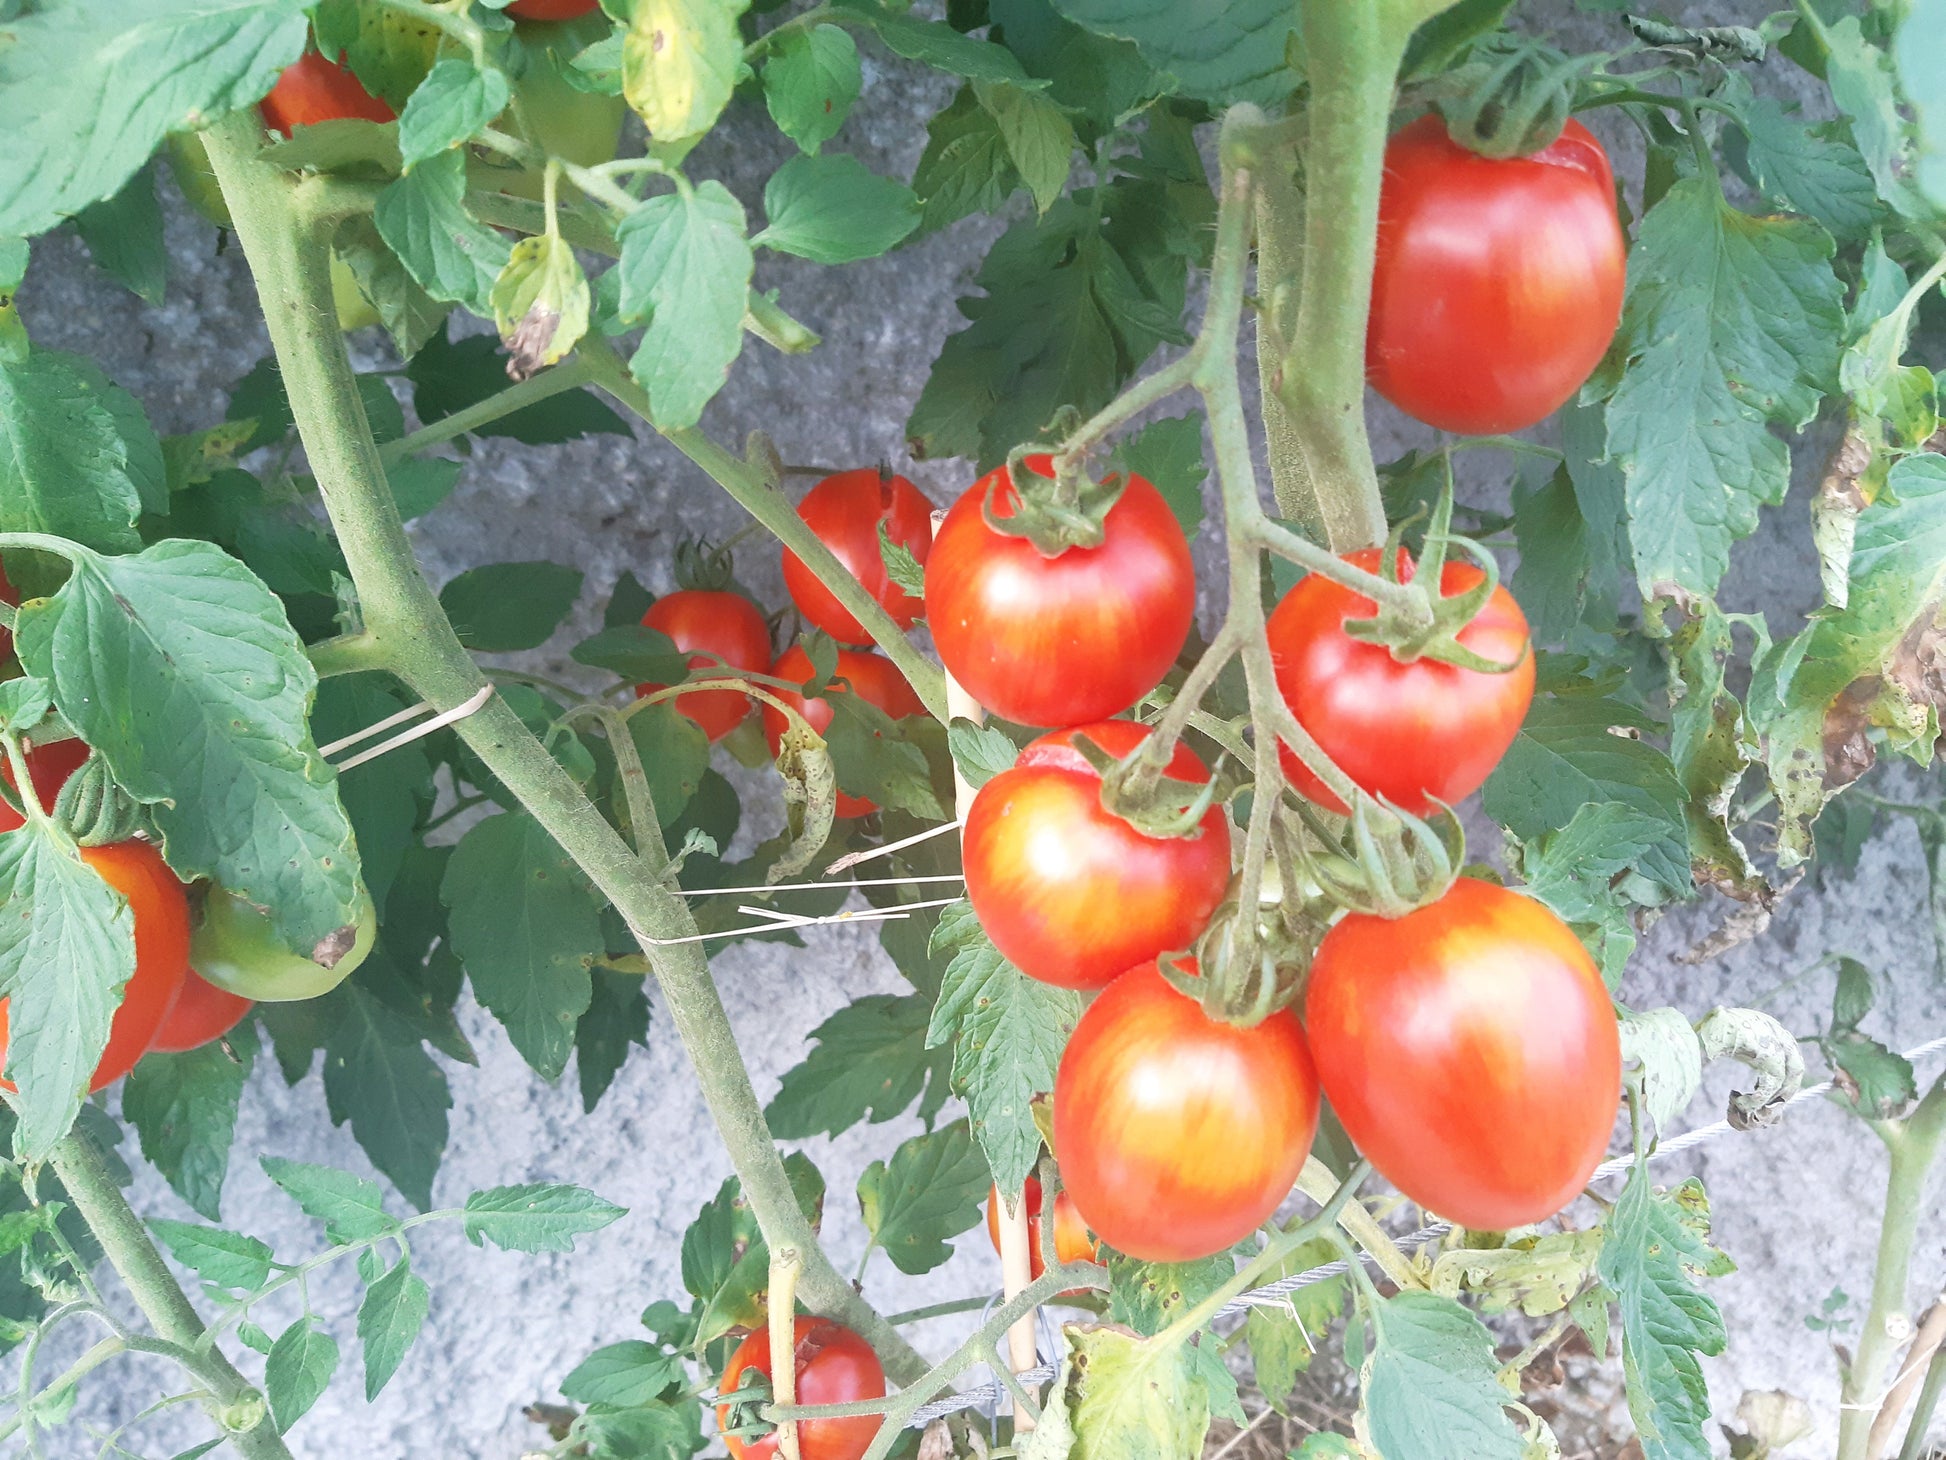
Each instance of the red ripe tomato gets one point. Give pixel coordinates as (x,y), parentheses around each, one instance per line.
(1063,640)
(845,511)
(203,1012)
(136,870)
(48,767)
(726,625)
(313,89)
(834,1366)
(1408,732)
(877,680)
(1073,1242)
(1498,283)
(1072,894)
(550,9)
(1471,1051)
(1178,1134)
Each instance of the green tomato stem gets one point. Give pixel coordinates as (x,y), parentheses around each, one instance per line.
(571,374)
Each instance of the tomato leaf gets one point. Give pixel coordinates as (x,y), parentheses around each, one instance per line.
(1656,1245)
(1132,1398)
(870,1061)
(385,798)
(1860,74)
(627,1375)
(1148,1296)
(617,1017)
(810,81)
(423,219)
(453,103)
(1169,455)
(124,237)
(183,1107)
(509,606)
(1814,169)
(390,1316)
(450,375)
(930,1191)
(1428,1385)
(1235,50)
(1920,51)
(1007,1032)
(72,446)
(1039,138)
(536,1218)
(298,1371)
(351,1208)
(181,669)
(540,303)
(725,1261)
(1284,1339)
(680,61)
(980,751)
(685,269)
(67,950)
(227,1259)
(939,46)
(378,1076)
(526,927)
(1574,871)
(966,167)
(832,210)
(1663,1043)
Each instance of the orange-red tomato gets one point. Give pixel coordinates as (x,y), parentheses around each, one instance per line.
(1073,1242)
(48,767)
(1178,1135)
(870,677)
(1498,283)
(711,622)
(203,1012)
(550,9)
(1471,1051)
(834,1366)
(1072,894)
(845,511)
(1408,732)
(136,870)
(1063,640)
(312,90)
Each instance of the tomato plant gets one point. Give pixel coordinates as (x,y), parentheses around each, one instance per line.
(868,676)
(1414,732)
(1498,284)
(1071,893)
(1178,1134)
(202,1012)
(846,512)
(314,89)
(1060,640)
(1437,1033)
(833,1366)
(713,625)
(236,947)
(1073,1242)
(49,767)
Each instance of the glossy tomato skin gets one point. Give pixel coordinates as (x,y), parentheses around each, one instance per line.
(1072,894)
(1059,641)
(49,767)
(834,1366)
(876,679)
(709,622)
(1178,1134)
(1073,1242)
(203,1012)
(1407,732)
(237,947)
(313,90)
(1471,1050)
(551,9)
(845,511)
(136,870)
(1498,283)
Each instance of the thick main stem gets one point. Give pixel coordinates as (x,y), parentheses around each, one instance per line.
(1280,254)
(291,265)
(125,1242)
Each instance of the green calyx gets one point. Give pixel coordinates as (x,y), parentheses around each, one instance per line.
(1431,627)
(1250,966)
(1136,789)
(94,810)
(1066,510)
(1512,99)
(703,565)
(1385,861)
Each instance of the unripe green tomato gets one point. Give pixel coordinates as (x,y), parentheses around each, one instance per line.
(574,125)
(355,311)
(236,947)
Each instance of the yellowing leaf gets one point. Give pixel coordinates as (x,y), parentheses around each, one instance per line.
(680,62)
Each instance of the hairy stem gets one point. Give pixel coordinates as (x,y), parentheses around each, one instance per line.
(291,266)
(1280,254)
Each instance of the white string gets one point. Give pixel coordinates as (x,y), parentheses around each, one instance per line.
(852,859)
(417,732)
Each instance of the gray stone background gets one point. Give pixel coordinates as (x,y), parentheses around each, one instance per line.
(1796,1206)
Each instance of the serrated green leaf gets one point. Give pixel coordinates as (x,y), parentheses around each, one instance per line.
(124,237)
(1283,1340)
(181,669)
(882,759)
(810,81)
(538,1217)
(183,1107)
(1853,998)
(939,46)
(378,1076)
(504,607)
(68,442)
(832,210)
(1919,49)
(91,87)
(1039,138)
(390,1316)
(1811,168)
(868,1061)
(1713,743)
(725,1262)
(1148,1296)
(636,652)
(1574,871)
(1217,50)
(626,1375)
(452,104)
(680,60)
(298,1371)
(980,751)
(1132,1398)
(966,167)
(617,1017)
(685,268)
(1860,74)
(931,1190)
(1874,1081)
(1550,581)
(1428,1385)
(410,315)
(228,1259)
(351,1208)
(1169,455)
(1007,1031)
(423,219)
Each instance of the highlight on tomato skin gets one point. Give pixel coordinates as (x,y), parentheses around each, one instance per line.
(712,624)
(833,1366)
(845,511)
(1471,1051)
(313,89)
(1070,893)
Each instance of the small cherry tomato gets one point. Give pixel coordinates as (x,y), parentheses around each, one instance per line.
(712,624)
(313,90)
(1073,1242)
(1498,282)
(1072,894)
(48,767)
(237,948)
(833,1366)
(136,870)
(1178,1135)
(874,678)
(550,9)
(202,1013)
(845,511)
(1471,1050)
(1408,732)
(1064,640)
